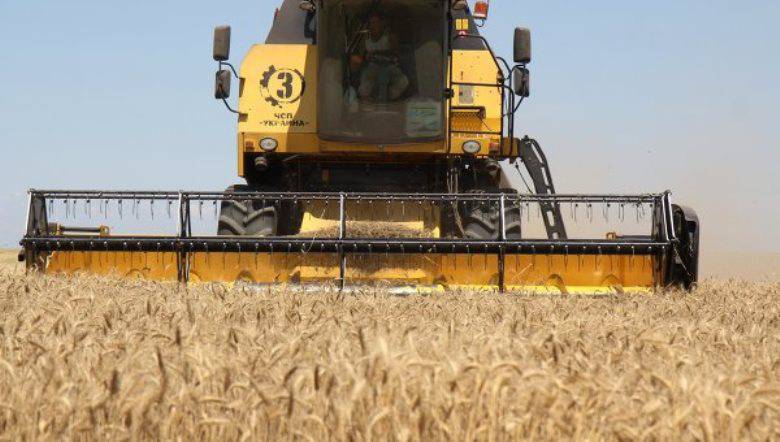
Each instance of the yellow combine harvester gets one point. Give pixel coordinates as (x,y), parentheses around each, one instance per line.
(376,138)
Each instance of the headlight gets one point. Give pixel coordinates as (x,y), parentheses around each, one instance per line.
(472,147)
(269,144)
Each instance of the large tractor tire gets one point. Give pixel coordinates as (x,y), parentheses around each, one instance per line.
(482,220)
(247,218)
(259,218)
(290,218)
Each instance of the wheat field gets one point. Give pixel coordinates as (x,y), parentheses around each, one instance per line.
(91,358)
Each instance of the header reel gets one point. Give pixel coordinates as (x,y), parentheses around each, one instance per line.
(604,263)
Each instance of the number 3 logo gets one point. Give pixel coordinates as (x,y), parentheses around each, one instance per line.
(287,84)
(282,86)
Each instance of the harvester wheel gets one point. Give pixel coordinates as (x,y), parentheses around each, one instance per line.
(482,220)
(247,218)
(290,218)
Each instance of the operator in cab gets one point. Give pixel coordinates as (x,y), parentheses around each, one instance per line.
(381,78)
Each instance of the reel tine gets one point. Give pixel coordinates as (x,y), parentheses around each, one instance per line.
(550,259)
(612,260)
(120,208)
(598,259)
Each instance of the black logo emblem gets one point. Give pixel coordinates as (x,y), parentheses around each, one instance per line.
(282,86)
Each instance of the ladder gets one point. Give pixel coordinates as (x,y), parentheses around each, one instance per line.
(535,162)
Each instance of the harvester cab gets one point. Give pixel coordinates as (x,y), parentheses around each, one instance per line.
(375,142)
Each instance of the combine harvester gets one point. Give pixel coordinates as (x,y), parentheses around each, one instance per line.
(375,138)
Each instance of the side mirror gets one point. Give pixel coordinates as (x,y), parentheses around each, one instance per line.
(222,85)
(521,82)
(522,45)
(221,43)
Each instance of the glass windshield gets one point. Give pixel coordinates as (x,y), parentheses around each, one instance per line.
(381,76)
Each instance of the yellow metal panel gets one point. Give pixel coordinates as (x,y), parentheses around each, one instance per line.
(241,171)
(431,147)
(151,266)
(288,142)
(480,105)
(280,89)
(278,99)
(572,274)
(266,268)
(369,217)
(478,67)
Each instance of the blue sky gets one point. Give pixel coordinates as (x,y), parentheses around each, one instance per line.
(627,97)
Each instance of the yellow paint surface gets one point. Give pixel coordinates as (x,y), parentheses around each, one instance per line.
(548,274)
(271,71)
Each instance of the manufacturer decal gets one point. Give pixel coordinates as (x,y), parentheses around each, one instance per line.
(282,86)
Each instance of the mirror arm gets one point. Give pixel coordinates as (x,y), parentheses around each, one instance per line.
(224,63)
(511,94)
(519,102)
(505,64)
(227,105)
(511,85)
